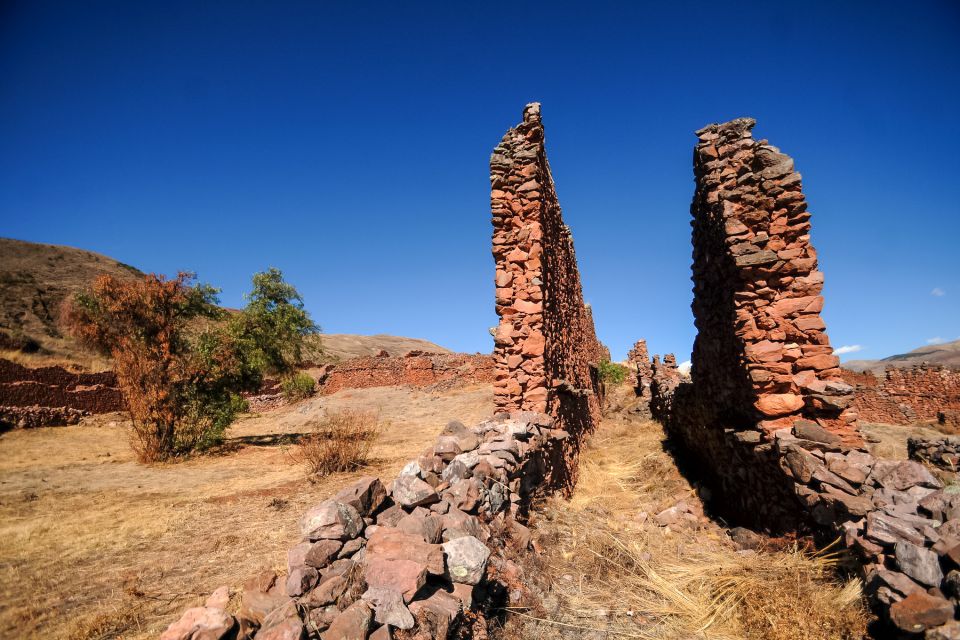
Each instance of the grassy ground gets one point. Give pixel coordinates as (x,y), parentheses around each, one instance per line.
(94,545)
(608,571)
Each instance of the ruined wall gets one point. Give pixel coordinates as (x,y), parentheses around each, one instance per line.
(56,387)
(768,418)
(414,369)
(545,345)
(905,395)
(412,555)
(757,289)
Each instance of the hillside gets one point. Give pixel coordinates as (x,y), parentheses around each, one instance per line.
(345,345)
(36,278)
(947,354)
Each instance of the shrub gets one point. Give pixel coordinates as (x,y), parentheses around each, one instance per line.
(611,372)
(297,386)
(273,326)
(341,441)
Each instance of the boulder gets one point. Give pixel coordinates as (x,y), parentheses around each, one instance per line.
(200,623)
(920,564)
(331,520)
(466,559)
(353,624)
(920,611)
(366,495)
(388,607)
(410,491)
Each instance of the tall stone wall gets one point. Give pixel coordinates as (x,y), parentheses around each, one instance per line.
(757,289)
(906,395)
(546,348)
(767,416)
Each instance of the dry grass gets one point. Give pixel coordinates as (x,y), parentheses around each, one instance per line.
(608,571)
(95,545)
(340,441)
(890,441)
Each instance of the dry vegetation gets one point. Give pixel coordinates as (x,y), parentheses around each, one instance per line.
(608,571)
(340,441)
(95,545)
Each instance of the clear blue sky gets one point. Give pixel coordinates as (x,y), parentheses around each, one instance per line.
(347,144)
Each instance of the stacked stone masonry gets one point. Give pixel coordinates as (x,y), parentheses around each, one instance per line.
(545,347)
(52,395)
(767,415)
(422,557)
(906,395)
(415,369)
(641,369)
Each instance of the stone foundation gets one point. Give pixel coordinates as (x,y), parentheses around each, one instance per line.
(905,395)
(25,391)
(415,369)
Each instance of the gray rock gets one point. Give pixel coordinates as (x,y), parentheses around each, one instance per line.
(920,564)
(410,491)
(466,559)
(331,520)
(388,607)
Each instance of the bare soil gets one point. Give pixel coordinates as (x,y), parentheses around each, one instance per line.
(95,545)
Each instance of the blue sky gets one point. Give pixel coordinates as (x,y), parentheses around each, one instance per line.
(347,144)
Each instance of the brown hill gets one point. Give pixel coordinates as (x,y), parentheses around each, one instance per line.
(34,281)
(345,345)
(946,354)
(36,278)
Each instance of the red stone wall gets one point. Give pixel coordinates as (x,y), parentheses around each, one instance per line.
(419,370)
(56,387)
(905,395)
(757,289)
(546,348)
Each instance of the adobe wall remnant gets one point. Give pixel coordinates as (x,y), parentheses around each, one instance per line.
(905,395)
(545,347)
(56,388)
(766,413)
(415,369)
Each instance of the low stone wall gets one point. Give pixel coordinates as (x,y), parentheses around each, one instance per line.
(30,417)
(940,452)
(424,557)
(56,387)
(905,395)
(414,369)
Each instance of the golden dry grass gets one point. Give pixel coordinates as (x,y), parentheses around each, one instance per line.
(94,545)
(608,571)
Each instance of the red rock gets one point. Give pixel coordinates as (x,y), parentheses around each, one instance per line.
(353,624)
(200,623)
(400,574)
(920,611)
(778,404)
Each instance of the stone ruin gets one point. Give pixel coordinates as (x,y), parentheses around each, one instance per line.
(53,396)
(907,395)
(427,555)
(641,369)
(545,347)
(767,416)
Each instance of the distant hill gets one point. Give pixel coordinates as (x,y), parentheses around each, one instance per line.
(35,279)
(344,345)
(946,354)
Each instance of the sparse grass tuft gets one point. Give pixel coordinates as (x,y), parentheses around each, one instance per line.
(341,441)
(298,386)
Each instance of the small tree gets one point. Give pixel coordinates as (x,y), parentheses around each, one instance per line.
(273,326)
(181,380)
(611,372)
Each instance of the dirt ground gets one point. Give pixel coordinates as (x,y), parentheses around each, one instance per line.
(95,545)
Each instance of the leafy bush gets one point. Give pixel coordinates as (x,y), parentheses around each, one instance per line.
(341,441)
(611,372)
(180,378)
(298,386)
